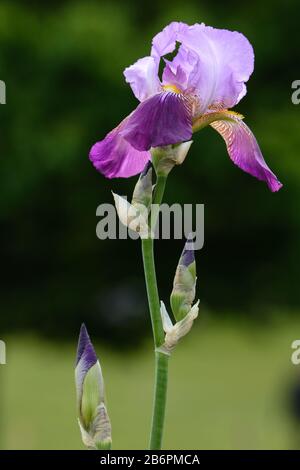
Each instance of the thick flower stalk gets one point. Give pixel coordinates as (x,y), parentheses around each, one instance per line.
(93,418)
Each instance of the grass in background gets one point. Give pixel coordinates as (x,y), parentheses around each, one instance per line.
(228,387)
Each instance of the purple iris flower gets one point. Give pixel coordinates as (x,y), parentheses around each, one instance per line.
(198,86)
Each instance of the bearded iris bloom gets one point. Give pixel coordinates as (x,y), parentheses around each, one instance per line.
(198,87)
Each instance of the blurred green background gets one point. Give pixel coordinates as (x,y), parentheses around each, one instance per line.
(231,381)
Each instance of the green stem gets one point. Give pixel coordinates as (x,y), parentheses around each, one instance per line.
(161,360)
(159,189)
(152,291)
(160,399)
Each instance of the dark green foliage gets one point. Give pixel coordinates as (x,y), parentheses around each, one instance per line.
(62,63)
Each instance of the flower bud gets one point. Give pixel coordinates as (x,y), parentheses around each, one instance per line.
(183,292)
(135,215)
(142,194)
(93,418)
(175,332)
(165,158)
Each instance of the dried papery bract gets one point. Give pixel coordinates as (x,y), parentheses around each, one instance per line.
(175,332)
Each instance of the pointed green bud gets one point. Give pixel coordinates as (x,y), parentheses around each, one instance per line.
(184,285)
(165,158)
(92,414)
(174,333)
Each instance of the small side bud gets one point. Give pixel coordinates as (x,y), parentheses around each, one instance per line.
(174,333)
(183,293)
(142,194)
(135,218)
(135,215)
(165,158)
(93,418)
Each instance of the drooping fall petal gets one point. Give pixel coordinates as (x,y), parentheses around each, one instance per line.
(244,150)
(114,157)
(163,119)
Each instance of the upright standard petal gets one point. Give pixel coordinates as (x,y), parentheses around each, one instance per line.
(183,70)
(243,149)
(223,62)
(143,77)
(165,41)
(163,119)
(226,63)
(114,157)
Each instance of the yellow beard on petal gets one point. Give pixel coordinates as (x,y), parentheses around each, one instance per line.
(208,118)
(234,113)
(172,88)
